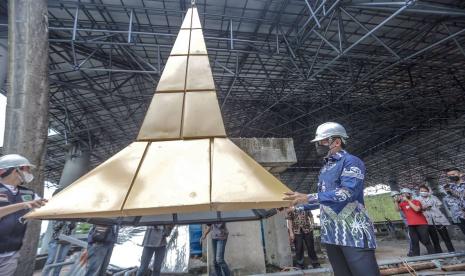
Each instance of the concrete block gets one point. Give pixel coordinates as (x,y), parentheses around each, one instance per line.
(244,250)
(275,154)
(278,249)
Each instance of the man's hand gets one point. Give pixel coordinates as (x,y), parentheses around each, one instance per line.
(296,197)
(405,198)
(291,236)
(35,203)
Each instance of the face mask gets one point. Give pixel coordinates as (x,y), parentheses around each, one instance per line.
(424,194)
(28,177)
(25,176)
(454,178)
(321,150)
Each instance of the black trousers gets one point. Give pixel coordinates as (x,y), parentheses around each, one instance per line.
(419,233)
(461,225)
(442,230)
(299,240)
(352,261)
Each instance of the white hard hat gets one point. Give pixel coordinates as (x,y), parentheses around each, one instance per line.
(14,161)
(328,130)
(406,191)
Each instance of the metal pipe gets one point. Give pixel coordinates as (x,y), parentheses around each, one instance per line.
(313,14)
(411,10)
(119,70)
(231,34)
(421,258)
(152,34)
(130,26)
(375,28)
(373,35)
(76,15)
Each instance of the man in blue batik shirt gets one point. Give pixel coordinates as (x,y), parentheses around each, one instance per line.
(346,229)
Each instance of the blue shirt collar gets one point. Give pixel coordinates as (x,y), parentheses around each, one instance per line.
(336,156)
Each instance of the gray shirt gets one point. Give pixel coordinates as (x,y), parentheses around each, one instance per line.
(433,214)
(219,231)
(155,236)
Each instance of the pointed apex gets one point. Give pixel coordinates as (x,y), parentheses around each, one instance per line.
(185,103)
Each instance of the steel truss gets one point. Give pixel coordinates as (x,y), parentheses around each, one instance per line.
(392,72)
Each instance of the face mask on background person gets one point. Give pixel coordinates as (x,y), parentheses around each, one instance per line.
(424,194)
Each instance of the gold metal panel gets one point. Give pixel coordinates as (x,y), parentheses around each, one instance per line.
(186,23)
(239,180)
(202,116)
(99,193)
(199,74)
(197,44)
(181,45)
(174,177)
(195,19)
(163,118)
(235,206)
(174,74)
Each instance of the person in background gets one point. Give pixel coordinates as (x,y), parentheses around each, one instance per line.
(397,198)
(219,238)
(417,223)
(15,201)
(154,243)
(454,198)
(300,227)
(58,249)
(101,240)
(437,221)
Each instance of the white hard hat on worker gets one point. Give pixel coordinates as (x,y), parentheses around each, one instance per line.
(11,163)
(325,137)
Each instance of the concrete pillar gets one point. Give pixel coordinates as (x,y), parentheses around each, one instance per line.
(393,184)
(244,250)
(3,49)
(3,60)
(278,250)
(76,165)
(27,101)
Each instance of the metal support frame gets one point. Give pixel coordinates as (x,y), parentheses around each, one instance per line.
(280,70)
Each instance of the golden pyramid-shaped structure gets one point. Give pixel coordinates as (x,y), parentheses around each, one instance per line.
(181,162)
